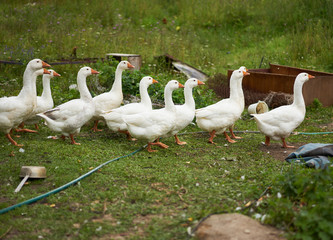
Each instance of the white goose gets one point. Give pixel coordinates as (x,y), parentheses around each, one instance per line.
(13,110)
(280,122)
(45,101)
(151,125)
(241,101)
(185,112)
(69,117)
(112,99)
(114,118)
(216,118)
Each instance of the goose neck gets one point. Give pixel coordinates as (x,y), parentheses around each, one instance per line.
(46,87)
(169,105)
(241,94)
(188,95)
(117,86)
(28,83)
(233,88)
(298,95)
(145,99)
(83,89)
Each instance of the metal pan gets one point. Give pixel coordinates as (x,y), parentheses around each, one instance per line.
(30,172)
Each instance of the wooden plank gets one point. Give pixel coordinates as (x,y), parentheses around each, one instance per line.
(134,59)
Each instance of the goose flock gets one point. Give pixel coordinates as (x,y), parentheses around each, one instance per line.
(140,120)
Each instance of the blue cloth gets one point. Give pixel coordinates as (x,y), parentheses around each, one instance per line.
(315,155)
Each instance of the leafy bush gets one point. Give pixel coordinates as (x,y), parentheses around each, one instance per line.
(302,204)
(316,104)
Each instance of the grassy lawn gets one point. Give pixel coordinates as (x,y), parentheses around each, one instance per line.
(151,196)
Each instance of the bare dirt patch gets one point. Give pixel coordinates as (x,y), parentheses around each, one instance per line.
(276,151)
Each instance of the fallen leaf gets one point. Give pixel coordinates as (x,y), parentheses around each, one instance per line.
(76,225)
(248,204)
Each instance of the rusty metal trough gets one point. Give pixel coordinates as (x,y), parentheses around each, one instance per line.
(279,78)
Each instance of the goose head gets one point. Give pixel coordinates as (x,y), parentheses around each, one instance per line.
(303,77)
(173,85)
(244,70)
(41,72)
(53,73)
(147,81)
(123,65)
(87,71)
(37,64)
(193,82)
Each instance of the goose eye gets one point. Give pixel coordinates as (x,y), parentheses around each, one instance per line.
(37,61)
(87,69)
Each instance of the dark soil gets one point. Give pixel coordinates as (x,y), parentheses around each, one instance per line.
(279,153)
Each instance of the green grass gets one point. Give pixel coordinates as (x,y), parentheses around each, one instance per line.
(212,35)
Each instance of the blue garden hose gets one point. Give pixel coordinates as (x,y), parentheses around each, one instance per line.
(314,133)
(35,199)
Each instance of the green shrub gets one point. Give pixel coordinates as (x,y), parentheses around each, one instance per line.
(305,205)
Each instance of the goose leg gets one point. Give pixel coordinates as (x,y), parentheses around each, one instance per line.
(22,129)
(285,144)
(11,131)
(160,144)
(233,135)
(212,135)
(267,141)
(228,138)
(12,141)
(178,141)
(129,137)
(36,126)
(72,140)
(95,129)
(149,148)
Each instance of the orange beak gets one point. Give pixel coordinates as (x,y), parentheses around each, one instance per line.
(180,85)
(45,71)
(245,73)
(155,81)
(310,76)
(55,74)
(130,65)
(200,82)
(94,71)
(44,64)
